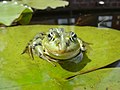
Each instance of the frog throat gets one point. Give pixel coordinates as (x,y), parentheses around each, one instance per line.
(75,59)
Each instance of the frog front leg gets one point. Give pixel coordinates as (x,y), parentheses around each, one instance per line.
(39,51)
(28,49)
(82,45)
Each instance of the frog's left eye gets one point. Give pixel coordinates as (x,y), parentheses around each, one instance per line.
(50,35)
(73,36)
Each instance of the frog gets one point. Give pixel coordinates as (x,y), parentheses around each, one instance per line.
(56,45)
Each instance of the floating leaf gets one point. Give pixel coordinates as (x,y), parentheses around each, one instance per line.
(13,12)
(21,72)
(43,4)
(104,79)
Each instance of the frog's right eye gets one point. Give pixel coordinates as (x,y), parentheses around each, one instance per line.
(50,35)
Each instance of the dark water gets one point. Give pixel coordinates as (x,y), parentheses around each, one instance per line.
(100,19)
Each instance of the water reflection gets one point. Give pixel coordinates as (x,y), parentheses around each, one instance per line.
(101,20)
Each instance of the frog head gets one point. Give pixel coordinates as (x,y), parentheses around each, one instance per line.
(62,45)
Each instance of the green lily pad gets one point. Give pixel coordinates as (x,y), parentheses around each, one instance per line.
(13,12)
(21,72)
(104,79)
(43,4)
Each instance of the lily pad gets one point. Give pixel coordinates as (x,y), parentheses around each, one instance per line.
(43,4)
(21,72)
(13,12)
(104,79)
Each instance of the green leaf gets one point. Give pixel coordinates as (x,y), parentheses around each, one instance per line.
(43,4)
(21,72)
(104,79)
(13,12)
(26,17)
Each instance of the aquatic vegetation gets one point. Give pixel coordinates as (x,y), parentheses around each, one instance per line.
(14,12)
(21,72)
(20,11)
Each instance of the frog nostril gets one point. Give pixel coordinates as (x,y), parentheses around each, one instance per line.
(67,44)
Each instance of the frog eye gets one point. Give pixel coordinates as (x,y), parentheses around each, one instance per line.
(50,35)
(73,36)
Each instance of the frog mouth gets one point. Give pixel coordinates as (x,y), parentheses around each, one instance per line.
(63,54)
(75,59)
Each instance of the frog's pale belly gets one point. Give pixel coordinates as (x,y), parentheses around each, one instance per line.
(64,55)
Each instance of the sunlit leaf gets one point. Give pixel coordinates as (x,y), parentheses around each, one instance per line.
(104,79)
(13,12)
(43,4)
(21,72)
